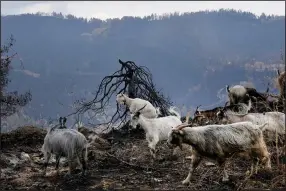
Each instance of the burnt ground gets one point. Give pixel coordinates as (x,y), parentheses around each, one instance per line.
(125,163)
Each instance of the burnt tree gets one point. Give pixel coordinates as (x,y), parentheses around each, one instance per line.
(136,81)
(10,101)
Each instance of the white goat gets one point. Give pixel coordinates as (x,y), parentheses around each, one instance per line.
(135,104)
(236,94)
(67,143)
(156,129)
(219,142)
(275,120)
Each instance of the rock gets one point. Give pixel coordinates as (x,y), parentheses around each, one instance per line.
(13,160)
(132,159)
(7,172)
(37,160)
(25,157)
(210,164)
(157,180)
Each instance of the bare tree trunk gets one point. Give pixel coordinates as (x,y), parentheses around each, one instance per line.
(131,86)
(0,119)
(134,80)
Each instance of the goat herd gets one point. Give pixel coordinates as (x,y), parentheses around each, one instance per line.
(216,134)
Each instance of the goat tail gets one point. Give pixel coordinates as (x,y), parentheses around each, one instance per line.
(174,112)
(262,127)
(158,112)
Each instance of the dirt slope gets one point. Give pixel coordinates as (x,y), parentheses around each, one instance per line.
(118,161)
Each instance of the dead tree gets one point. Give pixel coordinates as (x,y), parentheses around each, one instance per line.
(10,102)
(134,80)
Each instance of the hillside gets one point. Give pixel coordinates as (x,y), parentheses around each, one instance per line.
(123,165)
(66,57)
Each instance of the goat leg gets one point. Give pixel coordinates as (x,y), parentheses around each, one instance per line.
(194,164)
(152,145)
(47,158)
(225,176)
(58,157)
(83,162)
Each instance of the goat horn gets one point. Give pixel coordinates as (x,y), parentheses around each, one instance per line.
(180,127)
(227,88)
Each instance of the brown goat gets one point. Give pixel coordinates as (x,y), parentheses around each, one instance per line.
(211,115)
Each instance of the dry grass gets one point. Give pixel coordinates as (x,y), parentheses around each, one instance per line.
(126,165)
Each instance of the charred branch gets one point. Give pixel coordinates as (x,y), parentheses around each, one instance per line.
(134,80)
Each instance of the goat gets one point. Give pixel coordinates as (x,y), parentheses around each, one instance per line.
(211,114)
(236,94)
(220,142)
(67,143)
(275,120)
(156,129)
(134,104)
(257,96)
(240,94)
(207,114)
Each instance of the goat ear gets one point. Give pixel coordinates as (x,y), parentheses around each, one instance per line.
(64,121)
(60,120)
(278,72)
(227,88)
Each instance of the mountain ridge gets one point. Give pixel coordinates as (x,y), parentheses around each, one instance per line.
(198,51)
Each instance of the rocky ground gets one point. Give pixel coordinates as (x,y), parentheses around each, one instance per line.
(119,160)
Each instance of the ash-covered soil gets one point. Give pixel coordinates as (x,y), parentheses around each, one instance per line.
(120,161)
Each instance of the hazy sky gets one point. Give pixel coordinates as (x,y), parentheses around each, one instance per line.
(118,9)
